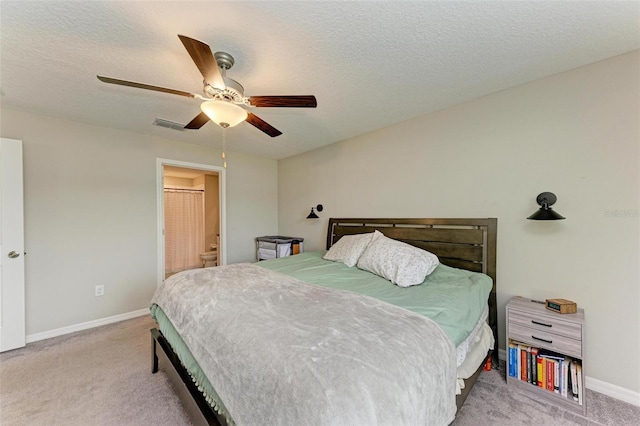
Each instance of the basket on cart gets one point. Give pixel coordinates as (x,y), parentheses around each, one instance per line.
(275,246)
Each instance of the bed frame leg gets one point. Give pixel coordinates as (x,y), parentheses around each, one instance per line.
(154,355)
(193,401)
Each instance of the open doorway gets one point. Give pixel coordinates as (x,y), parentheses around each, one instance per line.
(191,219)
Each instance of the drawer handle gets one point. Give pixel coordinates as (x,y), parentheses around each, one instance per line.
(542,340)
(541,323)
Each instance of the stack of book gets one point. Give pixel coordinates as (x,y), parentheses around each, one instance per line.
(546,369)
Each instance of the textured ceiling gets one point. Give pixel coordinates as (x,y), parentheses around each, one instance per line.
(369,64)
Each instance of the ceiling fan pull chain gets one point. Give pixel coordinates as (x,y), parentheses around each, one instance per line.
(224,147)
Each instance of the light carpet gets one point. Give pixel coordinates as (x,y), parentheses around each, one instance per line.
(103,377)
(96,377)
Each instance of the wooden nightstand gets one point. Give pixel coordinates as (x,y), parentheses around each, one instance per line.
(543,349)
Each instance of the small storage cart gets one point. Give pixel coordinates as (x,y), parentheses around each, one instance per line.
(274,246)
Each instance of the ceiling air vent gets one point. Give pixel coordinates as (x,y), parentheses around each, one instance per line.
(168,124)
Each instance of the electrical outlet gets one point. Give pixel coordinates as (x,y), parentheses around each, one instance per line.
(99,290)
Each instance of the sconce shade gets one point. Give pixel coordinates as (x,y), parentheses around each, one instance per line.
(548,214)
(224,113)
(545,200)
(313,214)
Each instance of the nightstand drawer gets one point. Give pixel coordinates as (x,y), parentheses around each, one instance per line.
(546,324)
(542,339)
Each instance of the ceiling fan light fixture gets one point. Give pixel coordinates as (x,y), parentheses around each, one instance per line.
(223,96)
(224,113)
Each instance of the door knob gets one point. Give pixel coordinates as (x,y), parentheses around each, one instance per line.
(13,254)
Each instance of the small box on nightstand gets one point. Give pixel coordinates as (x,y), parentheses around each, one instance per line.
(561,306)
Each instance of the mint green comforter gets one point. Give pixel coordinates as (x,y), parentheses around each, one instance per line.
(453,298)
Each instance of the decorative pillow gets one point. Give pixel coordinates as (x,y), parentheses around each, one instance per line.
(400,263)
(349,248)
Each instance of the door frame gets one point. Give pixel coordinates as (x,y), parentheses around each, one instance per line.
(222,184)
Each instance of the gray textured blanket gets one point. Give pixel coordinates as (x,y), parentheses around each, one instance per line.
(282,352)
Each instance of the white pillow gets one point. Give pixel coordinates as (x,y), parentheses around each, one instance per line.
(348,249)
(400,263)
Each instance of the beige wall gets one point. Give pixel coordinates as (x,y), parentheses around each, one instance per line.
(177,182)
(90,214)
(211,211)
(575,134)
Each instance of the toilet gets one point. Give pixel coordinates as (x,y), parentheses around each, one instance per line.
(209,258)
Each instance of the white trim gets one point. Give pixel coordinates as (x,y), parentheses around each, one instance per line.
(86,325)
(222,183)
(613,391)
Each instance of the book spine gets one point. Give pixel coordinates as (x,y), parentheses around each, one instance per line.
(565,378)
(550,370)
(534,366)
(574,380)
(523,363)
(518,365)
(513,353)
(556,376)
(528,358)
(580,388)
(540,371)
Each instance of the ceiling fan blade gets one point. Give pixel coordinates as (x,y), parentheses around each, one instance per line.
(200,120)
(284,101)
(145,86)
(206,63)
(262,125)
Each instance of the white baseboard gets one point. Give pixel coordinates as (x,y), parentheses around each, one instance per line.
(85,325)
(614,391)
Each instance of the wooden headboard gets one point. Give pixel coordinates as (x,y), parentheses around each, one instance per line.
(460,243)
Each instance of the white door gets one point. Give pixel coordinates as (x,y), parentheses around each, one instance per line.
(12,311)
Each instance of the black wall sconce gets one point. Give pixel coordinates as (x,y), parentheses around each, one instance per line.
(546,200)
(313,214)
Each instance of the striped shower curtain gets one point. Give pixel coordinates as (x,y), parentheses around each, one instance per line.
(183,230)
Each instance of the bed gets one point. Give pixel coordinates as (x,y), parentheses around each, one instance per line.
(218,386)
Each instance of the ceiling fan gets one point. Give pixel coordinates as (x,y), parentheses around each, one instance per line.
(223,96)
